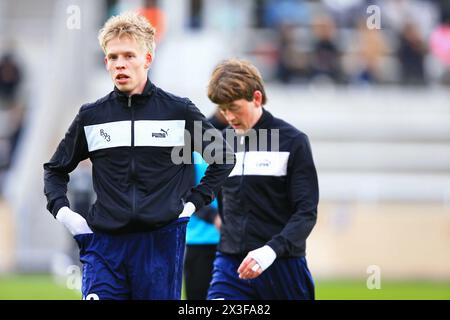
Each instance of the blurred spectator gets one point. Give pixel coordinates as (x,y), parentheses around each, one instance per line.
(440,45)
(11,113)
(10,79)
(397,13)
(259,10)
(156,16)
(277,12)
(444,7)
(371,47)
(292,63)
(112,8)
(345,12)
(196,14)
(325,60)
(116,7)
(411,53)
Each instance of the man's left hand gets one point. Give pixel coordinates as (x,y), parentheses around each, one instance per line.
(256,262)
(188,210)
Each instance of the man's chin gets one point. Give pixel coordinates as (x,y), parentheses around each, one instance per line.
(123,88)
(240,130)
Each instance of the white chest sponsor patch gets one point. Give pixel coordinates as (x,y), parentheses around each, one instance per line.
(108,135)
(159,133)
(147,133)
(261,163)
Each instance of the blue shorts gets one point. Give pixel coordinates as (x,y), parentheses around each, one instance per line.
(285,279)
(143,265)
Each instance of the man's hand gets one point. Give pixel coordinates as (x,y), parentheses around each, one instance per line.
(256,262)
(188,210)
(217,222)
(73,221)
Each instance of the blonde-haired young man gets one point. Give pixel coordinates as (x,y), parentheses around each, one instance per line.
(269,201)
(132,240)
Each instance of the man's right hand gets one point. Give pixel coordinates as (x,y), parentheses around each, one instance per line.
(73,221)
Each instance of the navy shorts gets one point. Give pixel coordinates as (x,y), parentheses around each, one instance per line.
(143,265)
(285,279)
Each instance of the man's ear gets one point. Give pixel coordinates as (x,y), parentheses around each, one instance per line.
(148,60)
(105,60)
(257,98)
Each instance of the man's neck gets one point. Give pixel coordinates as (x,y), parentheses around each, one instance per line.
(258,116)
(139,89)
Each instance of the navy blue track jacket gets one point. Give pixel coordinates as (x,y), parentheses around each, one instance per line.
(271,196)
(129,140)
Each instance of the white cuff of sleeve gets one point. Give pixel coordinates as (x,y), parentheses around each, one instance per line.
(264,256)
(188,210)
(73,221)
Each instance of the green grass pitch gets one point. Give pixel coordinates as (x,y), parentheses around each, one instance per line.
(42,287)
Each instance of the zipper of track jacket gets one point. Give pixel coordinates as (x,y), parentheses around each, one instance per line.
(133,165)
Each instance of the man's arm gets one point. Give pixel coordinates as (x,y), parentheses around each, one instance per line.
(303,191)
(209,212)
(220,165)
(71,150)
(304,197)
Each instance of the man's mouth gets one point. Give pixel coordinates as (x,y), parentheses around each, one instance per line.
(122,78)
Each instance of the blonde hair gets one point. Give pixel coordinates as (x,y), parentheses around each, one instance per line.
(129,24)
(235,79)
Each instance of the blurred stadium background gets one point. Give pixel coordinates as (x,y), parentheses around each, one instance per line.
(375,103)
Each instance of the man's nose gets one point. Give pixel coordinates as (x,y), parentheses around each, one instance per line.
(120,63)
